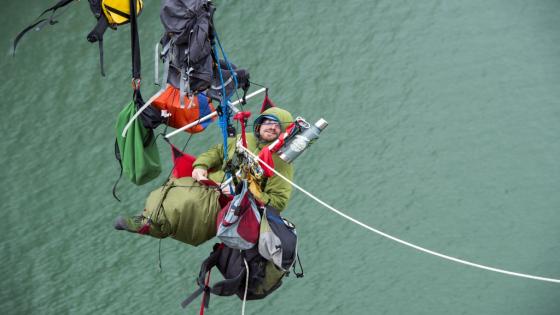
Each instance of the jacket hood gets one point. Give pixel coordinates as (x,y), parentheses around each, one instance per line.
(281,115)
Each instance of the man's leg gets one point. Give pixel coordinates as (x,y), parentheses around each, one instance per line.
(135,223)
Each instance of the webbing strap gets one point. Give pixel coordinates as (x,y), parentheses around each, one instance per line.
(204,279)
(225,83)
(206,297)
(156,64)
(118,12)
(101,57)
(134,42)
(166,64)
(182,87)
(96,35)
(242,117)
(192,297)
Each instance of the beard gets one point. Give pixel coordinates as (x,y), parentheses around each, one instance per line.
(268,134)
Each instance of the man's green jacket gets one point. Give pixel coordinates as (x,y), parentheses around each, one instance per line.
(187,210)
(276,191)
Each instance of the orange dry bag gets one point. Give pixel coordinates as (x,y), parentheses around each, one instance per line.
(195,107)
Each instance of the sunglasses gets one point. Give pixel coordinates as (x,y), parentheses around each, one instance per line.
(270,122)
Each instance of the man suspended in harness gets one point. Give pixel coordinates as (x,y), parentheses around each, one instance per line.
(267,128)
(186,208)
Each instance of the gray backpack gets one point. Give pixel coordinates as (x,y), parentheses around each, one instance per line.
(187,45)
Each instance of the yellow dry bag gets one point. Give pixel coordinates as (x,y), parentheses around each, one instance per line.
(117,12)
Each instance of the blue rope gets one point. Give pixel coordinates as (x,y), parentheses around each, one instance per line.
(223,105)
(224,119)
(230,68)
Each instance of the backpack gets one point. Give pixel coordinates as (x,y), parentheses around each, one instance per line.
(264,276)
(277,239)
(187,45)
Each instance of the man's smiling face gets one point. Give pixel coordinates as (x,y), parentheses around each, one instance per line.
(269,130)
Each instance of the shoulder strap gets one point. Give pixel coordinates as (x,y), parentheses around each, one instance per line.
(167,60)
(96,35)
(228,287)
(205,268)
(225,287)
(134,42)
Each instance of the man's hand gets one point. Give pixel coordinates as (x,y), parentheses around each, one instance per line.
(255,188)
(199,174)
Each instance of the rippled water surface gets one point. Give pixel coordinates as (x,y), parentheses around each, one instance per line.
(443,131)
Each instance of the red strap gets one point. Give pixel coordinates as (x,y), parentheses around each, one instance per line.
(206,282)
(266,156)
(242,117)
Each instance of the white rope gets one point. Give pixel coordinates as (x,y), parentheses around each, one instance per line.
(246,286)
(139,111)
(422,249)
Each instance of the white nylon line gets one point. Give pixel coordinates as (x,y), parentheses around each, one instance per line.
(246,286)
(139,111)
(422,249)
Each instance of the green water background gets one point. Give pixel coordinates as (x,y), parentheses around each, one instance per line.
(444,131)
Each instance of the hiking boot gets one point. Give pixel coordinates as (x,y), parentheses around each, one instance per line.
(130,224)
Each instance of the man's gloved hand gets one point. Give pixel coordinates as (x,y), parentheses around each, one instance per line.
(255,188)
(199,174)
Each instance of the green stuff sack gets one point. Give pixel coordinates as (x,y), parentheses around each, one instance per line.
(184,209)
(137,152)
